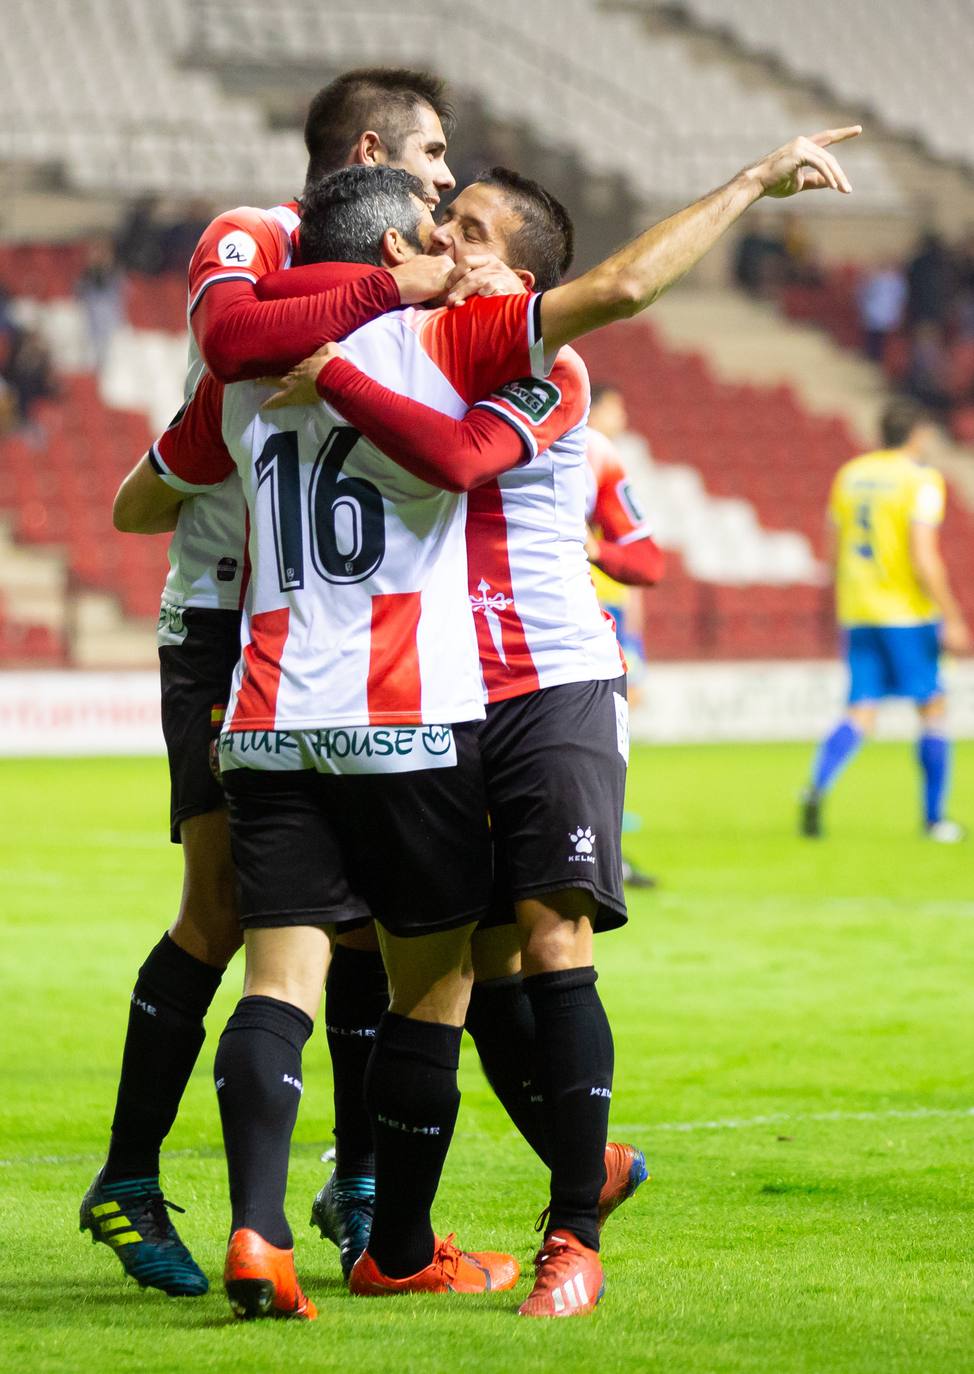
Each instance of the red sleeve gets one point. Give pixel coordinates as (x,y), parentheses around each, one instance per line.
(639,564)
(448,453)
(191,455)
(626,550)
(247,330)
(485,343)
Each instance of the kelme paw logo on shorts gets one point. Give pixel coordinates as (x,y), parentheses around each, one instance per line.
(584,842)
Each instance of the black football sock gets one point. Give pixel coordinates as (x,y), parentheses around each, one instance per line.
(500,1020)
(162,1043)
(257,1071)
(574,1069)
(412,1096)
(356,995)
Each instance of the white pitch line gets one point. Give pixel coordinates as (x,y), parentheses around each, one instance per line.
(728,1123)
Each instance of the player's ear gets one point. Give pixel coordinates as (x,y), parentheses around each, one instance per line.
(396,248)
(368,150)
(524,275)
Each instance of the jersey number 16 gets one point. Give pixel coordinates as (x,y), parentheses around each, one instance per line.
(346,517)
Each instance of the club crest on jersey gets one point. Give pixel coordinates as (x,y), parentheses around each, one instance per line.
(237,249)
(532,398)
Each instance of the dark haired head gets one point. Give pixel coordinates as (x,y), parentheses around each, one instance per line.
(544,243)
(346,214)
(900,418)
(383,99)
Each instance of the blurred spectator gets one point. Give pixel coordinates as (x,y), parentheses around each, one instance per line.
(178,239)
(964,268)
(882,304)
(929,368)
(801,264)
(138,244)
(101,290)
(930,281)
(760,259)
(28,372)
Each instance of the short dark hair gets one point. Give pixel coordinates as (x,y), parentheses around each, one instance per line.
(345,214)
(899,419)
(379,98)
(545,242)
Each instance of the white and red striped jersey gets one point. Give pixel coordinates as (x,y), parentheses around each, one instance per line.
(357,612)
(207,550)
(539,623)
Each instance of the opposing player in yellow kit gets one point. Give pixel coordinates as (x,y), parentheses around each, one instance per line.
(895,606)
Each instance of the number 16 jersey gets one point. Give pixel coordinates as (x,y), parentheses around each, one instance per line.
(357,610)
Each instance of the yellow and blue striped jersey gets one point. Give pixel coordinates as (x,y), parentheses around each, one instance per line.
(875,499)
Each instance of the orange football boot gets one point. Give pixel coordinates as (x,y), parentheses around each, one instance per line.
(260,1280)
(625,1170)
(451,1270)
(568,1279)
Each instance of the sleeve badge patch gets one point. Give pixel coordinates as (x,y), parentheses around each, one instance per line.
(237,249)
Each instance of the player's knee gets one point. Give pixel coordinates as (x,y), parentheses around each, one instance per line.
(496,953)
(556,931)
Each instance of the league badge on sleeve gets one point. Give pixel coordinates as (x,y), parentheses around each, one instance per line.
(237,249)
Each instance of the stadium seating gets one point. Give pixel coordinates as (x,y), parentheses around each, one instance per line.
(607,90)
(106,91)
(735,476)
(60,483)
(910,63)
(743,441)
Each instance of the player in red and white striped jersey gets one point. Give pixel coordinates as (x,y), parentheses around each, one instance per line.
(558,749)
(357,618)
(368,116)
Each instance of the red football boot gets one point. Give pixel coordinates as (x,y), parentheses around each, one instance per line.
(260,1280)
(568,1279)
(625,1170)
(451,1270)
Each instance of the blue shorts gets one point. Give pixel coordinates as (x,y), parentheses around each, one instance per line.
(893,661)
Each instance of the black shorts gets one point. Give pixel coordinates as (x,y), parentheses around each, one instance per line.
(195,680)
(411,848)
(555,768)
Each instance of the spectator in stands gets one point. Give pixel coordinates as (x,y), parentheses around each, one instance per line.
(930,281)
(138,245)
(29,372)
(178,239)
(761,258)
(101,290)
(964,269)
(882,307)
(929,368)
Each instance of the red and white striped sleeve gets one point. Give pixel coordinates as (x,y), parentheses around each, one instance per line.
(543,409)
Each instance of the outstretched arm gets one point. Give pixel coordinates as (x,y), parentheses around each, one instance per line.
(631,279)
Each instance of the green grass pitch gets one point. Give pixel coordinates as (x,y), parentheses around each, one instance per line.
(794,1052)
